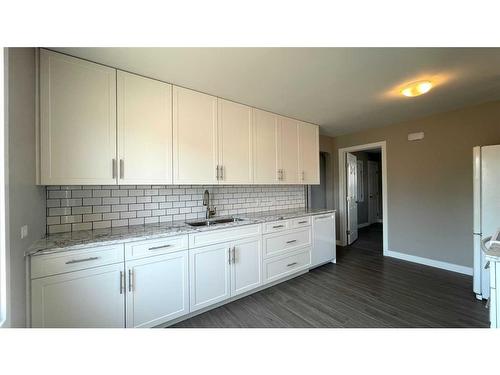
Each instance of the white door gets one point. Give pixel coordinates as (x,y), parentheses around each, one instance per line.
(352,204)
(157,289)
(235,143)
(209,275)
(289,151)
(144,108)
(77,121)
(373,192)
(92,298)
(308,153)
(265,147)
(195,137)
(246,269)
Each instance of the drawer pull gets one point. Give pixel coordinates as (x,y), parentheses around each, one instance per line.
(291,241)
(122,282)
(278,226)
(81,260)
(303,222)
(159,247)
(291,264)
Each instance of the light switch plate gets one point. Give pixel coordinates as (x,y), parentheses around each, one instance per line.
(24,231)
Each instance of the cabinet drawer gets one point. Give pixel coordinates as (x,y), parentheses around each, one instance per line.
(223,235)
(147,248)
(53,264)
(280,243)
(276,226)
(300,222)
(282,266)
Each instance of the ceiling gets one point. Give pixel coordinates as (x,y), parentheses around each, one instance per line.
(342,89)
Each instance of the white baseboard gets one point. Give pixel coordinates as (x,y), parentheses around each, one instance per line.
(363,225)
(430,262)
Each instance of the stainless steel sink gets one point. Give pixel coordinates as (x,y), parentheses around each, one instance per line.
(206,223)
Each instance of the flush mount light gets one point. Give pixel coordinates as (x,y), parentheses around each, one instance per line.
(417,88)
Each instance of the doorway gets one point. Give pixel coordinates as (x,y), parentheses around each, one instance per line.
(363,197)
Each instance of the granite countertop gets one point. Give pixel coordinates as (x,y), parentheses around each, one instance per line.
(80,239)
(493,253)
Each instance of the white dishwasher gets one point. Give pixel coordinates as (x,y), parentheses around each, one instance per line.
(323,249)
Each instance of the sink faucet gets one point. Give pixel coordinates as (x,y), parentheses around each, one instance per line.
(206,202)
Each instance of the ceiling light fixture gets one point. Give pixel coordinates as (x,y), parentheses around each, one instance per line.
(417,88)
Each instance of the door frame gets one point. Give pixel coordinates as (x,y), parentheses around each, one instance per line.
(342,204)
(370,213)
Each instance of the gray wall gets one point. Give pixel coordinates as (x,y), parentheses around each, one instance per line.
(429,182)
(26,201)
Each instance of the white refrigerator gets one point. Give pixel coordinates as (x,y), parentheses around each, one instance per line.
(486,210)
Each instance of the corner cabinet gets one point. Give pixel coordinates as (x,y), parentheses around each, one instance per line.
(77,121)
(144,108)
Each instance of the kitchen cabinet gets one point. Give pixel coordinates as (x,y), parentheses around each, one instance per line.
(77,132)
(209,274)
(246,270)
(234,143)
(157,289)
(308,153)
(289,151)
(265,147)
(195,153)
(82,299)
(144,117)
(225,270)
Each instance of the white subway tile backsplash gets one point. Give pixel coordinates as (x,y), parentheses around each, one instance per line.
(72,208)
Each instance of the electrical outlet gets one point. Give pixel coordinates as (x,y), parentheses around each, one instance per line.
(24,231)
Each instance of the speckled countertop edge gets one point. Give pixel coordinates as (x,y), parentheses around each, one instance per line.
(493,254)
(110,236)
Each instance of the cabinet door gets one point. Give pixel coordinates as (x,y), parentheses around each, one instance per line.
(289,150)
(246,269)
(308,153)
(195,137)
(265,147)
(144,130)
(92,298)
(209,275)
(77,121)
(157,289)
(235,142)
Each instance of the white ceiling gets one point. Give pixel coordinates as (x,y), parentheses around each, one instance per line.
(341,89)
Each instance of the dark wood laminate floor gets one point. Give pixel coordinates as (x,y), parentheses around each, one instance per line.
(364,289)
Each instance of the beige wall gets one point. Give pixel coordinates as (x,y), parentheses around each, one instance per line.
(26,201)
(429,182)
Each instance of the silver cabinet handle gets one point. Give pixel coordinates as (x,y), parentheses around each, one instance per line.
(222,172)
(282,174)
(122,282)
(122,168)
(278,226)
(487,265)
(217,173)
(234,254)
(113,167)
(291,264)
(291,241)
(81,260)
(229,256)
(302,222)
(303,173)
(130,276)
(159,247)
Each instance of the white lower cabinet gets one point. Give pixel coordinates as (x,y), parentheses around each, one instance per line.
(209,275)
(157,289)
(91,298)
(219,272)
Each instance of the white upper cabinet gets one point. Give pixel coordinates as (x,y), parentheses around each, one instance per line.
(144,130)
(195,137)
(289,151)
(308,153)
(77,121)
(235,143)
(265,147)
